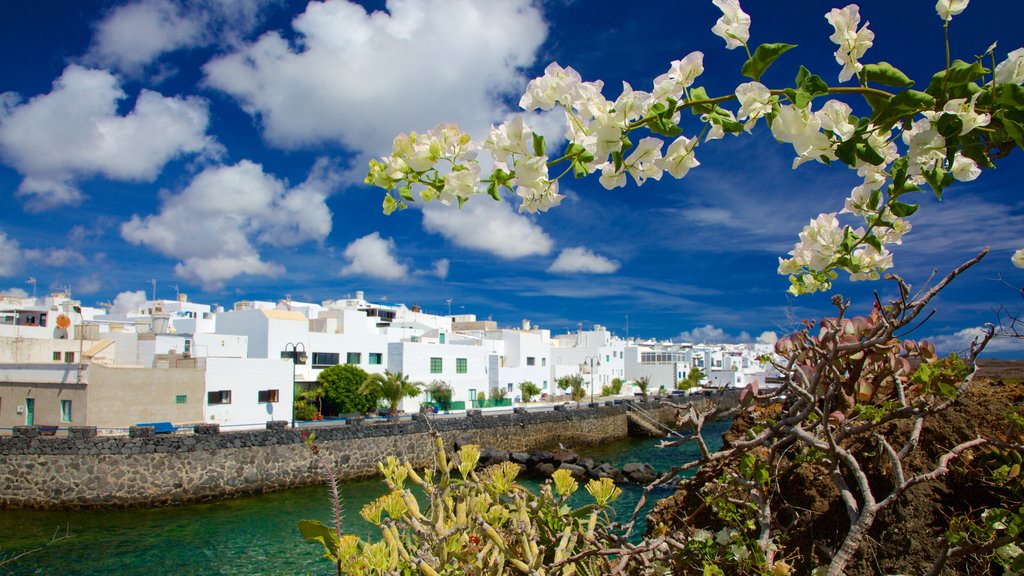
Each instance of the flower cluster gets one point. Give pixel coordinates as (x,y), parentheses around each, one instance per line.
(910,140)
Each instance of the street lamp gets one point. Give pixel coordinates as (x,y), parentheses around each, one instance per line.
(297,357)
(583,365)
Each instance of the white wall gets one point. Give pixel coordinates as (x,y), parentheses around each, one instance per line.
(413,359)
(245,377)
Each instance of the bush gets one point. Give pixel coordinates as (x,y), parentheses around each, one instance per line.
(303,410)
(498,393)
(441,393)
(341,386)
(528,390)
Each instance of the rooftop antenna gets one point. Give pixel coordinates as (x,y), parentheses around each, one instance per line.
(32,281)
(153,282)
(177,291)
(449,301)
(627,326)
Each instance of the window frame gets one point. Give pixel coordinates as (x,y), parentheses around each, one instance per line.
(65,411)
(436,365)
(378,356)
(321,357)
(462,365)
(358,356)
(223,397)
(270,396)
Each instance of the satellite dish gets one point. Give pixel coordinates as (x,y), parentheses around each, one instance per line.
(63,322)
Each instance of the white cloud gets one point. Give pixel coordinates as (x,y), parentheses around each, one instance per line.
(711,334)
(373,256)
(489,226)
(214,225)
(441,268)
(10,256)
(128,301)
(419,63)
(75,132)
(134,35)
(15,292)
(582,260)
(960,341)
(90,284)
(59,257)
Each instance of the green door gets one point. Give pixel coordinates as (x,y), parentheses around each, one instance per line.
(30,411)
(472,398)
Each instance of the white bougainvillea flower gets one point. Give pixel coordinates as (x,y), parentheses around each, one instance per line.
(949,8)
(1018,258)
(610,177)
(872,263)
(631,105)
(835,116)
(853,43)
(819,241)
(510,138)
(539,199)
(964,109)
(1011,70)
(964,169)
(734,25)
(802,129)
(679,157)
(645,161)
(555,86)
(460,183)
(680,76)
(588,101)
(755,102)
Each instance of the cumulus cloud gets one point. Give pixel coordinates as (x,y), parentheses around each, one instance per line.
(15,292)
(711,334)
(215,225)
(410,67)
(960,341)
(488,226)
(59,257)
(583,261)
(128,301)
(10,256)
(133,35)
(374,257)
(441,268)
(75,131)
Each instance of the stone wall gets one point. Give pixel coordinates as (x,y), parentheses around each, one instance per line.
(147,469)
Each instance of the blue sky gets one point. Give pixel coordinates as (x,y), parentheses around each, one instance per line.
(219,147)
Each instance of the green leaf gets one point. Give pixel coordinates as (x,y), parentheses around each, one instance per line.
(763,57)
(903,210)
(538,144)
(1014,129)
(316,531)
(1009,95)
(696,94)
(847,152)
(492,191)
(873,241)
(938,179)
(811,83)
(959,81)
(949,125)
(868,154)
(887,74)
(406,192)
(903,105)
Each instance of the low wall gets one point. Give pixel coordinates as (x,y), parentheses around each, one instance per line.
(75,472)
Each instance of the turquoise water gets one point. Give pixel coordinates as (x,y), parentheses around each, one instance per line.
(243,536)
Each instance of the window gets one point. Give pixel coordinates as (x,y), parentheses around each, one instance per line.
(266,396)
(218,397)
(531,361)
(435,365)
(441,338)
(181,399)
(461,365)
(607,359)
(322,359)
(69,357)
(543,361)
(376,358)
(353,358)
(56,356)
(65,410)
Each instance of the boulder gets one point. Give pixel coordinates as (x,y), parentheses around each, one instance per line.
(576,471)
(561,456)
(545,469)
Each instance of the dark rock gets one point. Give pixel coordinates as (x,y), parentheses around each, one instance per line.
(519,458)
(564,456)
(490,456)
(545,469)
(576,471)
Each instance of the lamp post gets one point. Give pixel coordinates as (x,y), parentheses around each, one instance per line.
(591,360)
(297,357)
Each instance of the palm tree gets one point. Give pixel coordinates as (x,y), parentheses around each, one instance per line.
(391,386)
